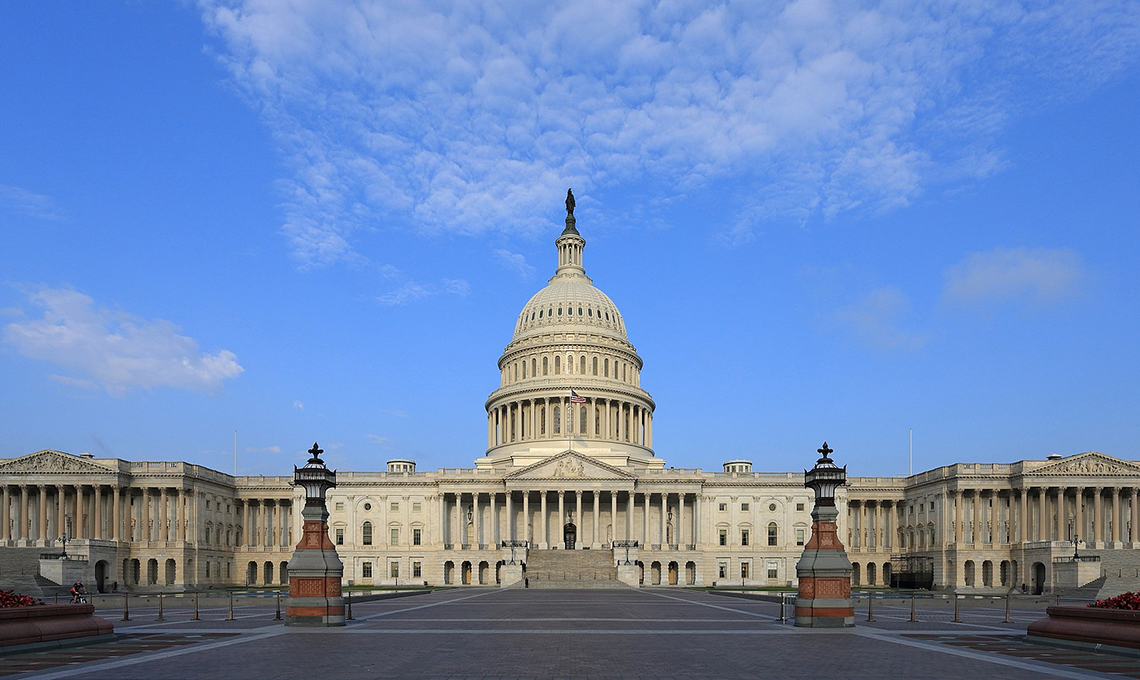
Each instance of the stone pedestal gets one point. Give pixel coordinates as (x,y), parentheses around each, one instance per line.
(824,598)
(510,574)
(629,574)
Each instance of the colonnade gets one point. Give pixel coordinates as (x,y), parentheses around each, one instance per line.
(267,523)
(529,516)
(546,418)
(872,524)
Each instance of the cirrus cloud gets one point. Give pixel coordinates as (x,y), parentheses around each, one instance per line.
(1037,275)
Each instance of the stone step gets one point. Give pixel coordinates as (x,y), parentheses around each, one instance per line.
(571,569)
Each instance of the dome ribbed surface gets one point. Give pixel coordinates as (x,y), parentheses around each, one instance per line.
(570,303)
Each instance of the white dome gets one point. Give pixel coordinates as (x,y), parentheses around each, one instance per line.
(569,303)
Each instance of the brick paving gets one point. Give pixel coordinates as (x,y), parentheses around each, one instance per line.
(490,633)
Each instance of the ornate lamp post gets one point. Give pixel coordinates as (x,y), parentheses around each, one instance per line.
(824,572)
(65,539)
(315,571)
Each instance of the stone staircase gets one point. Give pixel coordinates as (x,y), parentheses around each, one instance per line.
(1121,569)
(572,569)
(20,571)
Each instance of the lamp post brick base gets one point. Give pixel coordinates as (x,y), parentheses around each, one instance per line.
(315,571)
(824,572)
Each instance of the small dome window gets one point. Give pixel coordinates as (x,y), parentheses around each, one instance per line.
(540,313)
(589,312)
(570,311)
(607,316)
(532,316)
(579,311)
(559,311)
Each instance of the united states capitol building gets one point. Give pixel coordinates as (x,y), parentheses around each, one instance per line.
(571,465)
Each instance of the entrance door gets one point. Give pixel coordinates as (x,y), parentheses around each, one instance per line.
(570,536)
(101,576)
(1038,578)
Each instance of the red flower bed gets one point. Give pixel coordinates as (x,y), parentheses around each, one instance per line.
(1122,601)
(9,599)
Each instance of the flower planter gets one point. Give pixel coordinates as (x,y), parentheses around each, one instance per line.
(50,622)
(1089,626)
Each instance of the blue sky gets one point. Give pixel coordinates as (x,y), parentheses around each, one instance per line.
(306,220)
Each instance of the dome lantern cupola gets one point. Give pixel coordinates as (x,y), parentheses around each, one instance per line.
(570,243)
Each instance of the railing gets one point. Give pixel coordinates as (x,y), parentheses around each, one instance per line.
(515,544)
(449,546)
(625,544)
(690,546)
(1076,558)
(655,546)
(58,555)
(464,546)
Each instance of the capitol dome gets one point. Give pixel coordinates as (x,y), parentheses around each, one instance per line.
(570,378)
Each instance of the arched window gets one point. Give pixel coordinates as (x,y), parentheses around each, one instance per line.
(773,533)
(533,366)
(595,365)
(606,368)
(524,369)
(545,365)
(557,365)
(582,421)
(366,533)
(582,365)
(557,420)
(542,420)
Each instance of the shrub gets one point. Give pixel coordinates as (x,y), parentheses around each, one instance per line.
(9,599)
(1122,601)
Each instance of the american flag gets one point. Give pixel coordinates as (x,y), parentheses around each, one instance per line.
(575,399)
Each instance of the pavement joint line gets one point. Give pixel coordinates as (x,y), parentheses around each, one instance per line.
(425,606)
(145,657)
(565,631)
(715,606)
(1041,667)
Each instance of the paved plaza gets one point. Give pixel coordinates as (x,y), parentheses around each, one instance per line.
(648,633)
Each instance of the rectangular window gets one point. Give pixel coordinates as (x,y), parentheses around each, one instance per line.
(799,507)
(773,567)
(744,507)
(366,533)
(416,535)
(723,507)
(724,536)
(722,570)
(207,504)
(394,507)
(417,507)
(744,537)
(395,537)
(394,570)
(772,534)
(366,570)
(799,536)
(340,536)
(340,507)
(743,570)
(417,570)
(207,570)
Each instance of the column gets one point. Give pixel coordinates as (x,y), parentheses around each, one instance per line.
(116,513)
(581,520)
(995,537)
(1116,514)
(1135,517)
(1042,520)
(5,514)
(511,514)
(645,523)
(594,495)
(959,498)
(1023,517)
(494,530)
(526,516)
(97,511)
(163,516)
(25,525)
(1062,522)
(681,521)
(1098,515)
(561,515)
(664,513)
(60,509)
(613,516)
(1079,514)
(545,543)
(41,512)
(477,520)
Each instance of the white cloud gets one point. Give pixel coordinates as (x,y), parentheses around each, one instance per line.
(115,349)
(263,449)
(379,440)
(24,202)
(1037,275)
(411,291)
(876,319)
(515,262)
(298,405)
(74,382)
(465,118)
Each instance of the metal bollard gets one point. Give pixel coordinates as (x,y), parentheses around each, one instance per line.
(783,604)
(1007,619)
(160,616)
(195,607)
(56,598)
(278,617)
(349,612)
(912,618)
(231,616)
(870,606)
(957,618)
(126,607)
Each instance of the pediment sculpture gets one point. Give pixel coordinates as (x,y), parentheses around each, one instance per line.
(51,461)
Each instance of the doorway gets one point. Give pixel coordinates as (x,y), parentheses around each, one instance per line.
(570,536)
(1038,578)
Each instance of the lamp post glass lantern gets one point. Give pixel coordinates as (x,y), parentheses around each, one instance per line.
(825,477)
